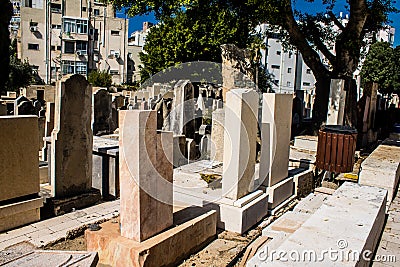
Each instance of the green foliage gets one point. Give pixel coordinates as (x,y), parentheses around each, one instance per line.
(192,35)
(20,72)
(382,67)
(100,79)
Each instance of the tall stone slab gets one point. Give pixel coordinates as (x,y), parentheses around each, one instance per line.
(182,113)
(102,112)
(241,112)
(72,138)
(276,123)
(217,135)
(19,171)
(19,163)
(337,103)
(146,173)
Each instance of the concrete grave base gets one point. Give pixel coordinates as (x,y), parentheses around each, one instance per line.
(280,192)
(20,213)
(168,248)
(61,206)
(306,142)
(244,213)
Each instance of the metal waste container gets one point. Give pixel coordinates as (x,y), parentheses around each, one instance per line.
(336,148)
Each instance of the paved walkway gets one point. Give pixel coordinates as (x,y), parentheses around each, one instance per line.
(58,228)
(389,246)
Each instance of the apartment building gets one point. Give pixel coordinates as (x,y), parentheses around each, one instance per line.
(15,19)
(61,37)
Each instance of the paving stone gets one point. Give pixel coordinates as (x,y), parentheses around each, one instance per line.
(39,234)
(13,241)
(50,222)
(68,225)
(76,214)
(89,217)
(17,232)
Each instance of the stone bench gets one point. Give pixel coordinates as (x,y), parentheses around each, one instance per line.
(349,222)
(382,169)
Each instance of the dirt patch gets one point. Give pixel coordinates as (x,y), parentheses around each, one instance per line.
(76,244)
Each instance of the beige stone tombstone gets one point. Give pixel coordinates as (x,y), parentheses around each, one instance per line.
(182,112)
(72,138)
(275,137)
(19,171)
(240,138)
(146,173)
(217,135)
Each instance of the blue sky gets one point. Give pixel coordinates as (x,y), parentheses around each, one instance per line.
(136,22)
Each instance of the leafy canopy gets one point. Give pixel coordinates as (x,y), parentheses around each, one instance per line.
(382,67)
(192,35)
(20,72)
(100,79)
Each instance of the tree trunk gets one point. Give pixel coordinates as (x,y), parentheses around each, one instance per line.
(320,109)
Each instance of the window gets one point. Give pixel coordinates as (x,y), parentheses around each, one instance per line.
(81,68)
(68,67)
(289,70)
(69,25)
(308,71)
(114,32)
(96,12)
(55,8)
(84,9)
(71,67)
(81,26)
(288,84)
(276,81)
(278,53)
(53,48)
(33,46)
(114,72)
(75,26)
(81,45)
(306,84)
(275,66)
(59,47)
(69,47)
(56,26)
(290,54)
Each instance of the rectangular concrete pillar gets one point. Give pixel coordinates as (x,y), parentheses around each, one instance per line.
(72,138)
(240,136)
(275,137)
(146,173)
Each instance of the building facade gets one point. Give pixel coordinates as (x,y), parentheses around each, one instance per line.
(72,37)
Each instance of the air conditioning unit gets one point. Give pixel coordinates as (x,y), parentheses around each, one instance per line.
(33,28)
(96,58)
(81,52)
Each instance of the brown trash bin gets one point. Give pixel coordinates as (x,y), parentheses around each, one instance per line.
(336,148)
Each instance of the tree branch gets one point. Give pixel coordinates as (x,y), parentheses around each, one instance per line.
(335,20)
(298,39)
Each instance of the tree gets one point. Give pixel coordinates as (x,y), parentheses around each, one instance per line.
(20,72)
(381,66)
(100,78)
(192,35)
(305,31)
(5,17)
